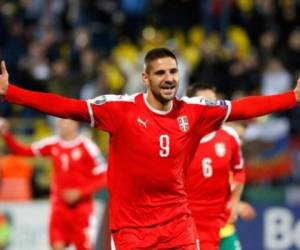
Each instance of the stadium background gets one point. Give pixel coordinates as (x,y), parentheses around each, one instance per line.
(87,48)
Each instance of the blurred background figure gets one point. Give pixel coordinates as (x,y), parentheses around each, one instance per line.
(215,178)
(79,170)
(216,16)
(5,231)
(15,178)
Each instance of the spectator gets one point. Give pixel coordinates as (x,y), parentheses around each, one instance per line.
(15,178)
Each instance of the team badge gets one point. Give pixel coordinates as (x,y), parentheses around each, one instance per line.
(100,100)
(222,103)
(220,149)
(183,123)
(54,151)
(76,154)
(210,102)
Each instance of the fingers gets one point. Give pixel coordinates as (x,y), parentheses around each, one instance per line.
(3,67)
(3,79)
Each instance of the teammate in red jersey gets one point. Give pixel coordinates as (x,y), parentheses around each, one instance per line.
(213,198)
(153,138)
(79,170)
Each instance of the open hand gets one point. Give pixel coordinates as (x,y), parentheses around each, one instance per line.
(246,211)
(3,79)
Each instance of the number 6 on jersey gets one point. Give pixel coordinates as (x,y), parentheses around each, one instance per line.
(207,167)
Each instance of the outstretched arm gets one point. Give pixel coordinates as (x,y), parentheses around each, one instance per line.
(255,106)
(44,102)
(15,147)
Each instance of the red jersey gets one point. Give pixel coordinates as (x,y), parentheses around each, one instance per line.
(77,164)
(149,153)
(149,150)
(208,178)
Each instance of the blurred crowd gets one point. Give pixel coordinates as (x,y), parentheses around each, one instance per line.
(85,48)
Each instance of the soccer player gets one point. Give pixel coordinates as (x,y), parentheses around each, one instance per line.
(79,170)
(153,138)
(213,198)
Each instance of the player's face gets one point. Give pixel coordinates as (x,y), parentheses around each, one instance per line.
(207,93)
(162,79)
(67,129)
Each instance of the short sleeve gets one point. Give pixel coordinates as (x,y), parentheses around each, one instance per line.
(214,115)
(43,147)
(237,160)
(100,165)
(107,111)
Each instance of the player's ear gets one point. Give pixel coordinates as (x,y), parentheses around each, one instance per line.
(145,78)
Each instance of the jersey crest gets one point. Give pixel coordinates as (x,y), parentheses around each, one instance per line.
(204,101)
(99,100)
(183,123)
(76,154)
(55,151)
(210,102)
(221,103)
(220,149)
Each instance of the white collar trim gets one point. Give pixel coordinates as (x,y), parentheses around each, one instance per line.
(208,137)
(70,143)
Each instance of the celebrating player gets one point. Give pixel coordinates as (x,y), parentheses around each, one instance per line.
(153,138)
(212,197)
(79,170)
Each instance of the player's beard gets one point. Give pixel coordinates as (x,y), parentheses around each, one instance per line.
(165,92)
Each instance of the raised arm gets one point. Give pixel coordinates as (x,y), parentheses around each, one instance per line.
(44,102)
(254,106)
(11,142)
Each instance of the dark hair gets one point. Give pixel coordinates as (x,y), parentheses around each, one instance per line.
(194,87)
(155,54)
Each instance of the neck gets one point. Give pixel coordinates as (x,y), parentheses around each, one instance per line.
(159,105)
(69,137)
